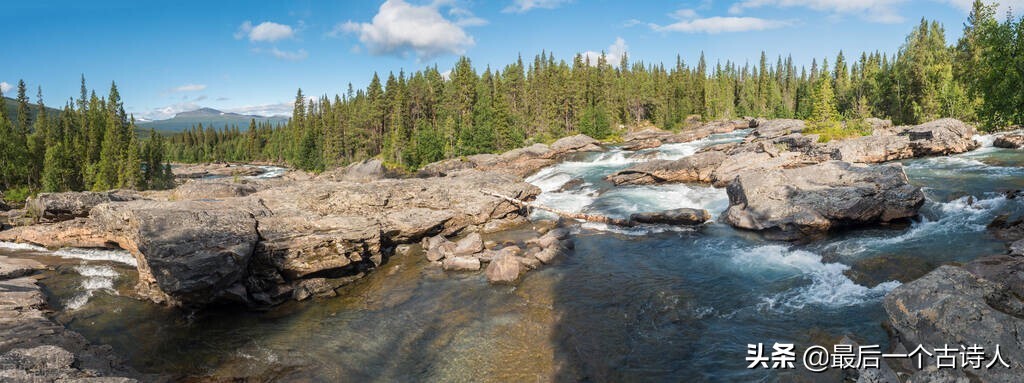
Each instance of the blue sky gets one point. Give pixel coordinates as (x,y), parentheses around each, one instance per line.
(250,56)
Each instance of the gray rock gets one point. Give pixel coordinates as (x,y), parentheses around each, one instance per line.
(187,252)
(572,144)
(56,207)
(211,190)
(882,374)
(503,269)
(953,306)
(17,267)
(684,216)
(459,263)
(777,128)
(792,203)
(1009,141)
(469,245)
(696,168)
(362,171)
(942,137)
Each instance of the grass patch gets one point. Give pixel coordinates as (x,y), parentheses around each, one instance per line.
(828,131)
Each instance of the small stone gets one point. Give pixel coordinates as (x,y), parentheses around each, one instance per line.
(503,269)
(472,244)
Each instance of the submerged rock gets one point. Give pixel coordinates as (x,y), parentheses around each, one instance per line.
(792,203)
(684,216)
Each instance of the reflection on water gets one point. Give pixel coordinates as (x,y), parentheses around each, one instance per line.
(645,304)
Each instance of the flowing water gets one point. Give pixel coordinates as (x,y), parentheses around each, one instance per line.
(653,303)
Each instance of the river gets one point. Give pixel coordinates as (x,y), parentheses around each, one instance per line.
(646,304)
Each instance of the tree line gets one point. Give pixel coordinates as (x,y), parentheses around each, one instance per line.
(413,119)
(91,144)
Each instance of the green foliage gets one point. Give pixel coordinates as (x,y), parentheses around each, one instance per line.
(93,146)
(838,131)
(412,119)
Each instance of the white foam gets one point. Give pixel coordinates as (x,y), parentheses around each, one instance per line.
(95,279)
(828,286)
(957,216)
(986,140)
(119,256)
(269,172)
(22,247)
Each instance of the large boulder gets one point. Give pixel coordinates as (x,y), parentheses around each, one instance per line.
(188,252)
(572,144)
(211,190)
(746,162)
(683,216)
(362,171)
(776,128)
(1009,141)
(792,203)
(951,306)
(696,168)
(941,137)
(56,207)
(871,149)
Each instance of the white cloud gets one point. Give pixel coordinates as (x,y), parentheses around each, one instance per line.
(165,112)
(1004,6)
(5,87)
(266,31)
(189,88)
(688,21)
(399,27)
(877,11)
(613,55)
(520,6)
(289,55)
(267,110)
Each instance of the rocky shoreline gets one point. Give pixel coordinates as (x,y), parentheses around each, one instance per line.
(34,348)
(259,243)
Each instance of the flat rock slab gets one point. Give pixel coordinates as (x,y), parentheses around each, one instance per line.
(17,267)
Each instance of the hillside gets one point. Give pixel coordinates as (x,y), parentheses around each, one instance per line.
(207,117)
(12,108)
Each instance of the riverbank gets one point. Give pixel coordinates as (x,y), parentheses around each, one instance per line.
(674,290)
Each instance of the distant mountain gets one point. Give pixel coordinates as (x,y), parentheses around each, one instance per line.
(12,108)
(207,117)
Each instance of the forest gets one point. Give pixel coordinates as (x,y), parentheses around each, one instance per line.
(89,145)
(411,119)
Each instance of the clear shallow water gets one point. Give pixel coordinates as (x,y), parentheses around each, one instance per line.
(652,303)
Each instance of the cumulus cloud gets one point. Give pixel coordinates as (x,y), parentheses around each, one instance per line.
(5,87)
(266,31)
(189,88)
(613,55)
(877,11)
(521,6)
(266,110)
(688,21)
(400,27)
